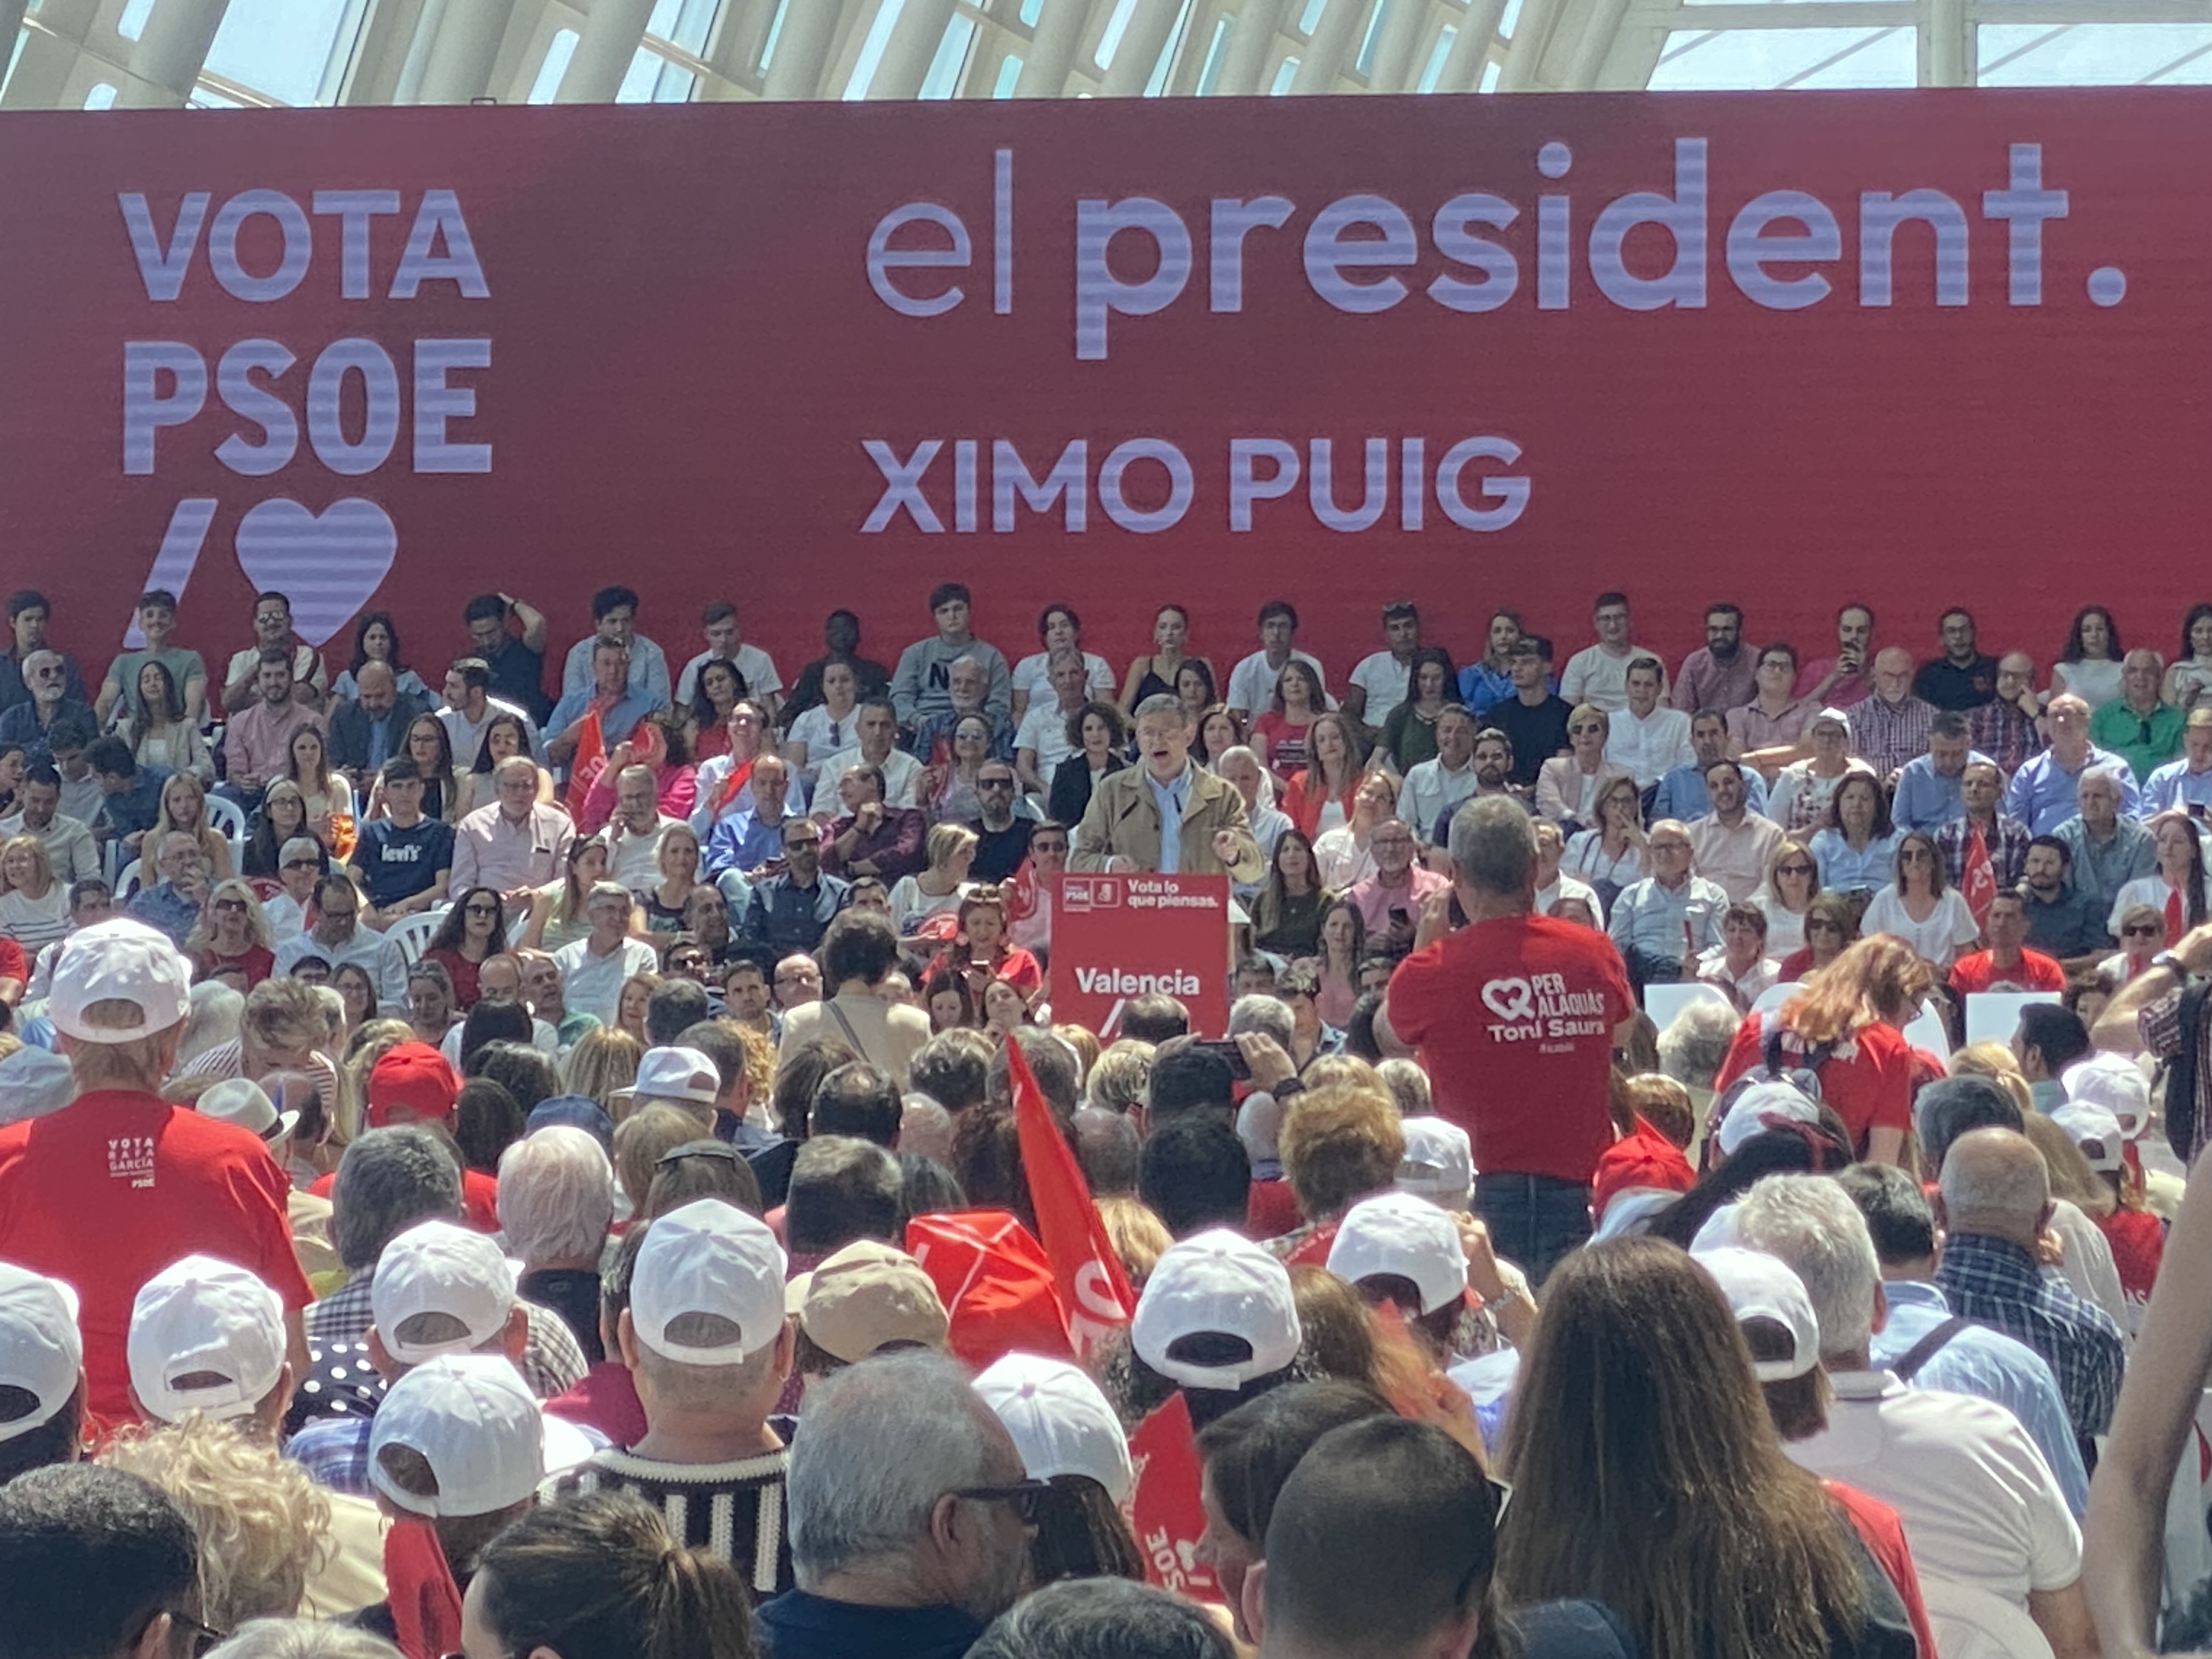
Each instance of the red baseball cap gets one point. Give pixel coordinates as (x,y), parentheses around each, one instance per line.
(1641,1158)
(413,1083)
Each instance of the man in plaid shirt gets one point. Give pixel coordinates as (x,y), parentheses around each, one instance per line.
(1981,786)
(1890,727)
(1996,1203)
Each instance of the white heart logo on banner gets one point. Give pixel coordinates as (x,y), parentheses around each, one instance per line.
(327,564)
(1509,999)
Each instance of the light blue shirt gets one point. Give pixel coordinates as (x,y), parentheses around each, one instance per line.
(617,723)
(2174,785)
(1846,872)
(1925,798)
(1682,793)
(2044,794)
(1168,798)
(1991,1366)
(1673,923)
(648,669)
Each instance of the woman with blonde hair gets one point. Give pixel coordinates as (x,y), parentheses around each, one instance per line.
(1846,1026)
(1792,882)
(951,848)
(184,812)
(668,899)
(1654,1480)
(1569,786)
(1322,794)
(604,1061)
(34,906)
(232,933)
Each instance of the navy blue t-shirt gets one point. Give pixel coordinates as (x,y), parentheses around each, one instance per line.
(397,864)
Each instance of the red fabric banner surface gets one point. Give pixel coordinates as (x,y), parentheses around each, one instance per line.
(1785,349)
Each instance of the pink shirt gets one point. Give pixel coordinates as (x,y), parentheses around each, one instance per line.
(1374,902)
(490,852)
(258,741)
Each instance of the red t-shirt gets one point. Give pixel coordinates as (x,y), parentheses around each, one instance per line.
(461,971)
(13,964)
(1869,1086)
(1977,972)
(1514,1018)
(108,1192)
(1883,1533)
(1270,1209)
(256,961)
(479,1198)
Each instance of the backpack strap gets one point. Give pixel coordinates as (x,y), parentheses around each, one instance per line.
(1914,1358)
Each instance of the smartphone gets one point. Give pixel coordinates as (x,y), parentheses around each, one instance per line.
(1227,1048)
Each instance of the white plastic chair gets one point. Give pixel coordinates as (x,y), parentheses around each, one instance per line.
(1992,1016)
(411,935)
(224,814)
(1664,1002)
(130,879)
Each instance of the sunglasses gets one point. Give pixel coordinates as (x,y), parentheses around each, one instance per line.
(1822,927)
(994,783)
(480,909)
(1793,869)
(229,907)
(2150,931)
(1026,1498)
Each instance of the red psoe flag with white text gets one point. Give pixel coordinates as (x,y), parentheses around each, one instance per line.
(1093,1288)
(1977,877)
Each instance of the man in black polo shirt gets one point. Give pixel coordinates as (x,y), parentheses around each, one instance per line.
(1002,840)
(404,858)
(2061,920)
(1534,718)
(517,663)
(1964,677)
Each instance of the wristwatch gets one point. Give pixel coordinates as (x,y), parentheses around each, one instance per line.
(2172,964)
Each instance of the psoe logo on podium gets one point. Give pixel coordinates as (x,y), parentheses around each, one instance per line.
(1084,894)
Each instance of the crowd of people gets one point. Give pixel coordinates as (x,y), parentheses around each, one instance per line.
(501,1168)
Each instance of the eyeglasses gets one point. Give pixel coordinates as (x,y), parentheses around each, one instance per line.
(2142,930)
(480,909)
(1583,730)
(1793,869)
(994,783)
(1027,1498)
(1823,927)
(1915,855)
(204,1636)
(803,841)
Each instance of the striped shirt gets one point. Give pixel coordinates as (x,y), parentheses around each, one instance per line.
(734,1509)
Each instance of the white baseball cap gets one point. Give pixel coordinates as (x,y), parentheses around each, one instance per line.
(205,1335)
(436,1267)
(1061,1423)
(242,1101)
(708,1257)
(1217,1283)
(676,1075)
(40,1351)
(1439,1162)
(119,960)
(35,1082)
(2115,1083)
(1831,717)
(2091,1126)
(473,1418)
(1759,1286)
(1763,1106)
(1408,1237)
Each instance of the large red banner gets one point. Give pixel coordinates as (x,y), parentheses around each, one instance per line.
(1927,347)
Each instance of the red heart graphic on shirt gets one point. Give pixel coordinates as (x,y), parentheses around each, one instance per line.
(327,564)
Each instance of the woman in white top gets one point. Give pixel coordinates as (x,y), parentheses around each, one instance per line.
(34,906)
(1567,785)
(1611,854)
(2177,888)
(329,796)
(1060,629)
(158,732)
(1919,907)
(2193,670)
(857,953)
(2088,663)
(826,728)
(915,899)
(1793,877)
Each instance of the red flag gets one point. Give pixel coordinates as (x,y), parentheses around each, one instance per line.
(1977,877)
(1093,1288)
(587,762)
(1165,1511)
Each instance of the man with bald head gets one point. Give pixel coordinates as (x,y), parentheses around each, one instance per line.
(2139,725)
(2184,785)
(1890,728)
(751,838)
(370,727)
(1995,1206)
(2044,792)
